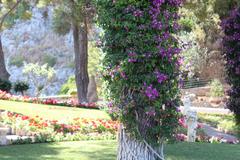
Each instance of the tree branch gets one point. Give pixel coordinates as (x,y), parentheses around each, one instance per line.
(10,10)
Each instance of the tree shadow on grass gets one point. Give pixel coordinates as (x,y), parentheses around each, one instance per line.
(85,150)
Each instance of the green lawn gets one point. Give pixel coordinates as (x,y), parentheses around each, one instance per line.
(106,150)
(84,150)
(51,112)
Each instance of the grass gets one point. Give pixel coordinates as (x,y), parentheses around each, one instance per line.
(51,112)
(106,150)
(214,119)
(84,150)
(202,151)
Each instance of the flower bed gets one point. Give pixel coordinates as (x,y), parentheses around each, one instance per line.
(68,103)
(41,130)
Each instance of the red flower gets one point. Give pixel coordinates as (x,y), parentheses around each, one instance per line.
(25,117)
(45,124)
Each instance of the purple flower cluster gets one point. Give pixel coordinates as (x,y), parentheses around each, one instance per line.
(123,75)
(176,3)
(129,9)
(158,3)
(151,92)
(135,12)
(132,57)
(156,11)
(232,30)
(138,13)
(115,71)
(161,77)
(169,52)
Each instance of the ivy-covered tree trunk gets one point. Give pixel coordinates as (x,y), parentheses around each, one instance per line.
(141,68)
(3,71)
(80,36)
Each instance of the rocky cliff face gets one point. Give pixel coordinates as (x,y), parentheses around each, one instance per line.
(32,40)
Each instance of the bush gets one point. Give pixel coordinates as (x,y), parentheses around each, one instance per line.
(5,85)
(21,87)
(69,86)
(16,61)
(41,76)
(50,60)
(231,27)
(216,88)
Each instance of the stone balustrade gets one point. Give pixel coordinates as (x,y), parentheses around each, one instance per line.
(3,136)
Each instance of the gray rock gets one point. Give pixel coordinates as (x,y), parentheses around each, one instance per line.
(33,39)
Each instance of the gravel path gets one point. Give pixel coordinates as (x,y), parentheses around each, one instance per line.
(213,132)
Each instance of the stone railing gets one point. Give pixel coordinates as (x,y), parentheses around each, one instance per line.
(3,135)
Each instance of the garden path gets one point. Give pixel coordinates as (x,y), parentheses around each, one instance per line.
(213,132)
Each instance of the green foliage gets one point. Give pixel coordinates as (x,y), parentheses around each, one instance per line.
(50,60)
(94,55)
(17,60)
(5,85)
(21,87)
(61,23)
(68,86)
(40,75)
(216,88)
(223,7)
(201,22)
(22,11)
(194,56)
(68,12)
(187,24)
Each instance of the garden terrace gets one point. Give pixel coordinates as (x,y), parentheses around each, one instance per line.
(51,112)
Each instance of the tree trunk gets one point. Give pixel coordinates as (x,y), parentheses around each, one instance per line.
(132,149)
(81,61)
(3,71)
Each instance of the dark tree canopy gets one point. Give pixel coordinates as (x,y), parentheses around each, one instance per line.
(231,26)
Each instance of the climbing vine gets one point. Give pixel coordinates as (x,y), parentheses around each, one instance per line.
(141,65)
